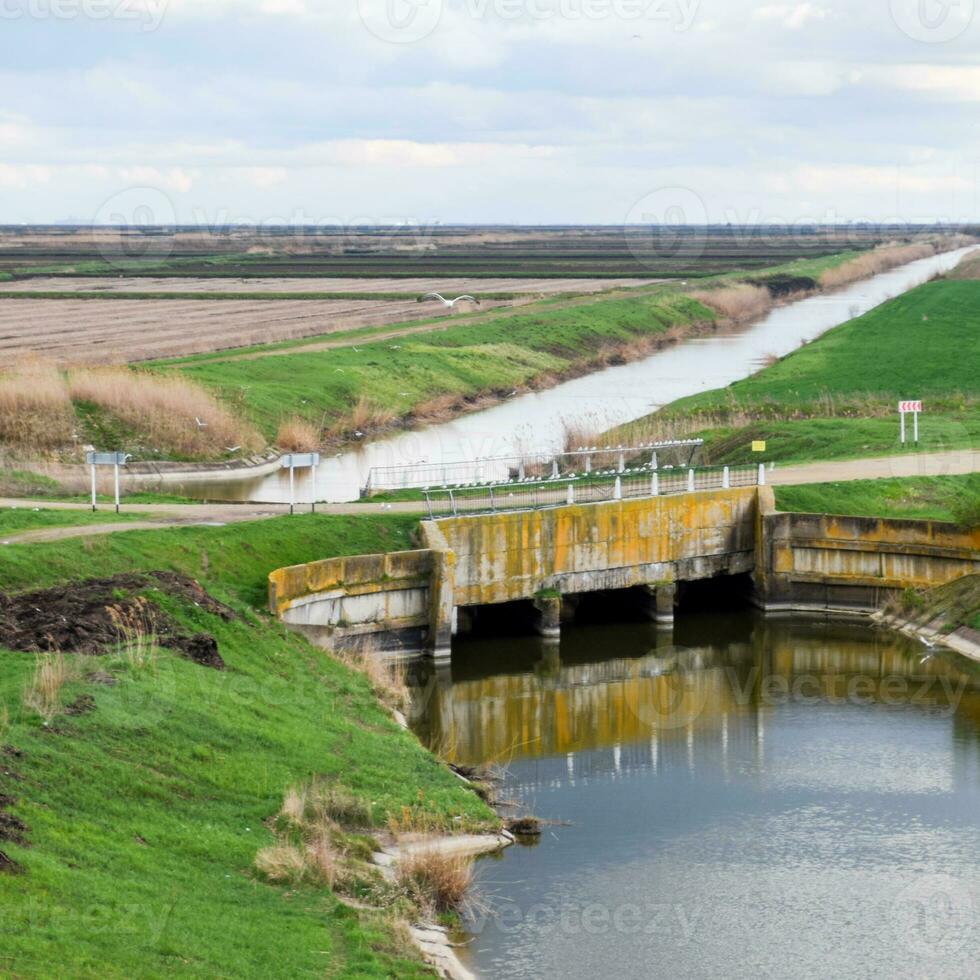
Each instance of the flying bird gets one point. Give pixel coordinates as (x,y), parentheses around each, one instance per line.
(448,304)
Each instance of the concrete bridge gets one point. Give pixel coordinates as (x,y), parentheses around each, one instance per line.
(548,558)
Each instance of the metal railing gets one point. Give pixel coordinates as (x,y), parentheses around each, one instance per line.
(542,465)
(533,494)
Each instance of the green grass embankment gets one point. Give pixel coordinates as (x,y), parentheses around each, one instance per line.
(142,809)
(421,376)
(935,498)
(836,397)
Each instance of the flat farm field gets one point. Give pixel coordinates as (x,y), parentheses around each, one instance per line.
(234,285)
(80,331)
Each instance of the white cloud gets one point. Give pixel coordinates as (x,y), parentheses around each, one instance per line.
(791,15)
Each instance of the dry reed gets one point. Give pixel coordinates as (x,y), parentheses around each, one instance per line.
(435,881)
(35,410)
(739,302)
(168,414)
(874,262)
(298,435)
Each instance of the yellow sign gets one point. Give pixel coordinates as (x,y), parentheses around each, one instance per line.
(758,447)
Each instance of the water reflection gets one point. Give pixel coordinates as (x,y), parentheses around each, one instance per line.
(750,797)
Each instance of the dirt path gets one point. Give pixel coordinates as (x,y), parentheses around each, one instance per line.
(956,462)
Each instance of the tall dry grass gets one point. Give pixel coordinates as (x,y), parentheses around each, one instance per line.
(367,415)
(874,262)
(43,694)
(740,302)
(296,435)
(168,414)
(35,409)
(437,882)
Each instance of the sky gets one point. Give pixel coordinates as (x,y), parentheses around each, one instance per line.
(322,112)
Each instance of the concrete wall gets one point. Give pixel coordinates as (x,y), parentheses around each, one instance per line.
(823,562)
(355,597)
(590,547)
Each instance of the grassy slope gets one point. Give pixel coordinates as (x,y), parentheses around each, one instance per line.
(467,359)
(146,813)
(16,519)
(843,387)
(939,498)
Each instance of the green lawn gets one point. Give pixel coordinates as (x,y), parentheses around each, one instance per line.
(145,813)
(837,397)
(937,498)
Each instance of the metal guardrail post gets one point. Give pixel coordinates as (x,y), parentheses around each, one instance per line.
(655,484)
(493,505)
(452,502)
(726,479)
(622,462)
(690,481)
(571,494)
(762,474)
(554,469)
(618,489)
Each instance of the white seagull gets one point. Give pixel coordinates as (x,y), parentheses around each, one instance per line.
(448,304)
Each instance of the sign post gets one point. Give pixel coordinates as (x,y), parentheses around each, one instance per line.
(301,461)
(905,408)
(115,460)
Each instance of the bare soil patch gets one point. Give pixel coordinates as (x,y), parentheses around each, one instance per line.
(94,616)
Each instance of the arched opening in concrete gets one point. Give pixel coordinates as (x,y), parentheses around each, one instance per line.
(725,593)
(499,619)
(608,606)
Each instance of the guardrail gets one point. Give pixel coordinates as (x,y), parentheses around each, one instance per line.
(531,494)
(542,465)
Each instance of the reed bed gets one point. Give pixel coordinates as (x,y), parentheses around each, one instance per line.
(741,302)
(35,408)
(166,413)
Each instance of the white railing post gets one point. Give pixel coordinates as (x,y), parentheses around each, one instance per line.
(571,494)
(653,461)
(588,463)
(554,469)
(690,481)
(726,479)
(622,462)
(762,474)
(655,485)
(618,489)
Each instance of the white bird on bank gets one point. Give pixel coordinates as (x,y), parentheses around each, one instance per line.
(448,304)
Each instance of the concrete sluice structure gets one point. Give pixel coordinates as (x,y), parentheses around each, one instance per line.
(416,601)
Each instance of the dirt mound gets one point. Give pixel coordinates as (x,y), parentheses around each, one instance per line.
(96,615)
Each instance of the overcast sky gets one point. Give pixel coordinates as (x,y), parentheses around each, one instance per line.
(516,111)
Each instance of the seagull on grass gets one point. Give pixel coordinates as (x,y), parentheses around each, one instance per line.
(448,304)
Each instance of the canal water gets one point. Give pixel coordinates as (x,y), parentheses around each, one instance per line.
(599,401)
(745,798)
